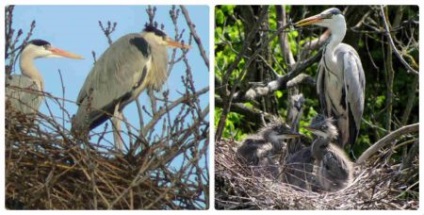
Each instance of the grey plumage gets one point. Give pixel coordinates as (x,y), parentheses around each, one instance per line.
(298,162)
(341,78)
(298,170)
(264,144)
(24,93)
(130,65)
(335,168)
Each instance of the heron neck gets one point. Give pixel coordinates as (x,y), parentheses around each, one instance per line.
(29,70)
(338,33)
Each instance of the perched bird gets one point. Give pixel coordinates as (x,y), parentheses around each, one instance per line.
(131,64)
(341,78)
(24,92)
(335,169)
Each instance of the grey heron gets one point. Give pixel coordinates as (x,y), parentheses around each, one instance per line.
(298,162)
(131,64)
(298,169)
(341,78)
(335,168)
(265,143)
(24,92)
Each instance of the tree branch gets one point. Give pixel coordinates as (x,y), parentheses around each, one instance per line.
(387,140)
(386,26)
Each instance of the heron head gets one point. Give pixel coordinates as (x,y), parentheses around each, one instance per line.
(330,18)
(161,38)
(278,130)
(323,127)
(42,49)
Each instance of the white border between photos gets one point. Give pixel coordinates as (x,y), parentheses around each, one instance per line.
(211,5)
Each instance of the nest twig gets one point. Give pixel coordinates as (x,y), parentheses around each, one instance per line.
(47,168)
(376,186)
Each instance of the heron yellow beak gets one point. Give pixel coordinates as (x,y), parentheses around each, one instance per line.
(310,128)
(63,53)
(293,134)
(309,21)
(175,44)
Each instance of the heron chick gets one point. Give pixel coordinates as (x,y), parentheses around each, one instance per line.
(335,168)
(267,142)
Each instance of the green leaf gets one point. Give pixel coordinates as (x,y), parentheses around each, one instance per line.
(278,94)
(219,17)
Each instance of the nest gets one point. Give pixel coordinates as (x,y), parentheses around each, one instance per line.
(376,186)
(49,169)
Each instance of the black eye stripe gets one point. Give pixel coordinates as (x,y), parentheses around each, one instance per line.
(151,28)
(39,42)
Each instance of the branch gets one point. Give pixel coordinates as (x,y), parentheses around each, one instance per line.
(195,35)
(240,108)
(387,140)
(280,83)
(108,31)
(386,26)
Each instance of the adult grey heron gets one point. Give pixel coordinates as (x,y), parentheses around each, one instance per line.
(24,92)
(335,168)
(131,64)
(341,79)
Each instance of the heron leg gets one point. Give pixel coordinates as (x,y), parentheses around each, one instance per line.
(116,122)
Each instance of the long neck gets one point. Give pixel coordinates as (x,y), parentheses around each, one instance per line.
(338,32)
(28,69)
(317,149)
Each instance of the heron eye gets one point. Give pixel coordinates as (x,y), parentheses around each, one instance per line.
(47,46)
(329,16)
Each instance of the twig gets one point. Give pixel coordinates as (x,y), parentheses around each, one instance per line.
(387,140)
(195,36)
(386,26)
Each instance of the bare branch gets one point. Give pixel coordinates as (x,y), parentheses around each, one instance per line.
(387,140)
(392,44)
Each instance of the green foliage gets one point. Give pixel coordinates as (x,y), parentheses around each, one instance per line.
(231,124)
(371,47)
(227,30)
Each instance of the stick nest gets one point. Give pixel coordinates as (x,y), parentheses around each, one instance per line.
(375,186)
(52,170)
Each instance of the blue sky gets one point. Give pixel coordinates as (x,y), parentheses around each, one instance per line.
(76,29)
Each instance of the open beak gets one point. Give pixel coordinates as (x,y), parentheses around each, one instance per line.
(63,53)
(312,129)
(292,134)
(309,21)
(175,44)
(316,131)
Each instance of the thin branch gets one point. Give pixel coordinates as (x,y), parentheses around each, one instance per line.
(392,44)
(387,140)
(195,35)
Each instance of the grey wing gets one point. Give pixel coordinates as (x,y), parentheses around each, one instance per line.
(354,86)
(23,94)
(121,68)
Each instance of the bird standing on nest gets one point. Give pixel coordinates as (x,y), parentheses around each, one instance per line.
(341,77)
(25,91)
(335,169)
